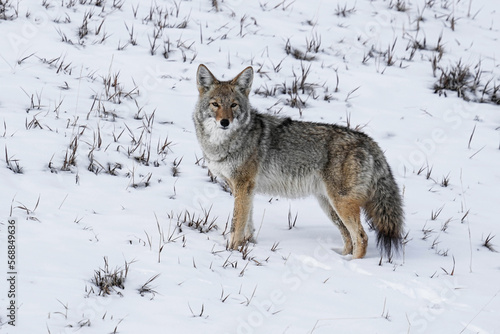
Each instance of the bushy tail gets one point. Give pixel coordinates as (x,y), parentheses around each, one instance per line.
(385,213)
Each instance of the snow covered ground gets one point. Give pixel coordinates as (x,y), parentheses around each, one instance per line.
(103,176)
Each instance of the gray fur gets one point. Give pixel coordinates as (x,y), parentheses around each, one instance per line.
(294,159)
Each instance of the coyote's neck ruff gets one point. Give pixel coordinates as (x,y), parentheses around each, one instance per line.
(257,153)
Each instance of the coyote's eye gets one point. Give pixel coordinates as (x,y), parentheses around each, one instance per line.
(234,105)
(215,104)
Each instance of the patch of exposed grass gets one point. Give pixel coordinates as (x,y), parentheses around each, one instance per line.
(467,81)
(107,280)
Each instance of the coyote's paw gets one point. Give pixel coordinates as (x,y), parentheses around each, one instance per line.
(250,238)
(347,249)
(237,242)
(347,246)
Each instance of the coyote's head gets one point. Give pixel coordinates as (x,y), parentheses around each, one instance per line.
(223,105)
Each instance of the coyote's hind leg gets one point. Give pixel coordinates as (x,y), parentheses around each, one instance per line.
(349,210)
(330,212)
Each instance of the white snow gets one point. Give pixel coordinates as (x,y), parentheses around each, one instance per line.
(121,119)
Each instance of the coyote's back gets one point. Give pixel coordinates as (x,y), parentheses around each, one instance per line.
(257,153)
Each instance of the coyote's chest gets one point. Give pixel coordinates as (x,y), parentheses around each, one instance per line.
(221,169)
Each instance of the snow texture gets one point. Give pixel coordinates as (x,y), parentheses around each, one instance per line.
(103,174)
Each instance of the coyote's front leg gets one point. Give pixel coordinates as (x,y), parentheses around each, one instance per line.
(243,197)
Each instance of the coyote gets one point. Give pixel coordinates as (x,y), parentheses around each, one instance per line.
(259,153)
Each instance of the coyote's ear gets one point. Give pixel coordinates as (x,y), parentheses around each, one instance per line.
(204,79)
(244,80)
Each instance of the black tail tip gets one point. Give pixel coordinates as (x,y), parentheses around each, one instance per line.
(389,245)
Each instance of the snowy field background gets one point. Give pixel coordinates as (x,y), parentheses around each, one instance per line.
(103,174)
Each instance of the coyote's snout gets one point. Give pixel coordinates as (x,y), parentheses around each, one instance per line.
(258,153)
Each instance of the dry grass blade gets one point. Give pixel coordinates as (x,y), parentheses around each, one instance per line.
(399,5)
(201,312)
(12,164)
(471,135)
(435,214)
(344,11)
(452,272)
(175,167)
(222,297)
(487,243)
(274,247)
(350,93)
(291,220)
(445,181)
(146,287)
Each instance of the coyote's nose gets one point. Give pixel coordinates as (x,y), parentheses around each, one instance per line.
(224,122)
